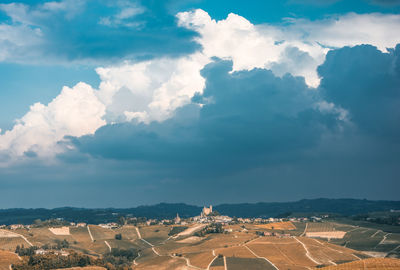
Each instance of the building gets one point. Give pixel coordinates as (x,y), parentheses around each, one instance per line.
(206,211)
(177,219)
(16,226)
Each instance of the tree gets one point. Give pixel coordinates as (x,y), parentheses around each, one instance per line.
(118,236)
(121,221)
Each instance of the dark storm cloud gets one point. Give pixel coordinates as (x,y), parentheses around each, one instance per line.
(252,119)
(248,117)
(365,82)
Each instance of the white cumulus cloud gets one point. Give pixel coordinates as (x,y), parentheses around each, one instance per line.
(298,47)
(75,112)
(150,90)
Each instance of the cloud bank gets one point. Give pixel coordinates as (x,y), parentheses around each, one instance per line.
(276,64)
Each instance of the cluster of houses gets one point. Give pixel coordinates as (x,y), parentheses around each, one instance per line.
(110,225)
(29,226)
(15,226)
(207,215)
(41,251)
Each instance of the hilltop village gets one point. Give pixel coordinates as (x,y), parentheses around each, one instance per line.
(207,216)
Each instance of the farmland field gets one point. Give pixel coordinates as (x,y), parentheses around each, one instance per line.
(60,231)
(84,268)
(41,236)
(302,252)
(370,264)
(238,248)
(239,251)
(5,233)
(122,244)
(320,227)
(10,243)
(99,233)
(201,259)
(325,230)
(328,235)
(155,234)
(80,234)
(286,225)
(7,258)
(368,240)
(163,263)
(128,232)
(233,263)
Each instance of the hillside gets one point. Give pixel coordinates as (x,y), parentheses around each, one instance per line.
(343,207)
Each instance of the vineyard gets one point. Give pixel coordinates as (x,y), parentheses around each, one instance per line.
(370,264)
(10,243)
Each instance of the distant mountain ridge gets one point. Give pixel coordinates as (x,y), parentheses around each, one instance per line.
(344,207)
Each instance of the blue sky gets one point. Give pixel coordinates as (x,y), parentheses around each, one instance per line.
(137,102)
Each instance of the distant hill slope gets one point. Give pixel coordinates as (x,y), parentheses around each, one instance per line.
(169,210)
(339,206)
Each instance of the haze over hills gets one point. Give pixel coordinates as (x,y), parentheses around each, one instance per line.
(345,207)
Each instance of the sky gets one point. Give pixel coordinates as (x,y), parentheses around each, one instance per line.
(129,102)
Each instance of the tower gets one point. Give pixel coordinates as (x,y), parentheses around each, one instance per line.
(177,219)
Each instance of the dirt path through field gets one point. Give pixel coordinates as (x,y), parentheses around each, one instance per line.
(215,257)
(5,233)
(26,240)
(305,230)
(191,230)
(308,254)
(261,257)
(108,245)
(384,238)
(138,233)
(134,261)
(155,251)
(394,249)
(378,231)
(147,242)
(90,233)
(187,262)
(225,267)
